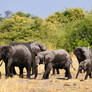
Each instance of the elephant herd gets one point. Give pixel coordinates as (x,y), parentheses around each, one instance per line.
(30,55)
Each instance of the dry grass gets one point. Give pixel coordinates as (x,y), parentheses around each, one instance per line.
(55,83)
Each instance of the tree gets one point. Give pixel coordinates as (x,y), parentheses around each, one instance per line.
(8,13)
(74,14)
(79,34)
(21,14)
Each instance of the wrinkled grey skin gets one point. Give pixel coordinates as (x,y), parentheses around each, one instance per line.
(18,55)
(57,70)
(34,48)
(83,53)
(58,58)
(86,66)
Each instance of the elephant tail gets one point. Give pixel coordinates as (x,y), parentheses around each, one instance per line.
(1,63)
(72,65)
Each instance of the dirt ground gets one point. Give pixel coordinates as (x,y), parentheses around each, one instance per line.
(55,83)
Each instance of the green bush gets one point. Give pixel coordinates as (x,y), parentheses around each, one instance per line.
(79,34)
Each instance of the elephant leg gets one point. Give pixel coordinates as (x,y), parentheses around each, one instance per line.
(90,75)
(77,74)
(14,71)
(28,72)
(8,67)
(36,72)
(87,73)
(11,71)
(57,70)
(67,73)
(0,74)
(47,72)
(21,72)
(32,71)
(45,67)
(53,71)
(34,67)
(5,69)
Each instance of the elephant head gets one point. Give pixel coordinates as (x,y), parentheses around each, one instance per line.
(83,65)
(39,58)
(79,53)
(5,52)
(37,47)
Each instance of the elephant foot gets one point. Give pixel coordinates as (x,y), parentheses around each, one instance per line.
(11,75)
(28,77)
(21,76)
(15,73)
(45,78)
(70,77)
(91,77)
(35,77)
(7,76)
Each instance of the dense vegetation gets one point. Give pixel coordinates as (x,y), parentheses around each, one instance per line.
(67,29)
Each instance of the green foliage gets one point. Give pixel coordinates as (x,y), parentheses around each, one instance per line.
(79,34)
(21,14)
(74,14)
(58,19)
(67,29)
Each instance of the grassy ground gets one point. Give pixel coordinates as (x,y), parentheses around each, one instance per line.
(55,83)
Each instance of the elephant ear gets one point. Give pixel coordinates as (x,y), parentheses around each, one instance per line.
(6,51)
(77,51)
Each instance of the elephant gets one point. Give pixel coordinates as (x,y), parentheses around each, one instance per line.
(58,58)
(86,66)
(18,55)
(83,53)
(34,48)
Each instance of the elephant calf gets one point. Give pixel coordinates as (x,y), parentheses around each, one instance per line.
(58,58)
(85,66)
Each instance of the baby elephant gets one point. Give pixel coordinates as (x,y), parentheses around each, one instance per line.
(85,66)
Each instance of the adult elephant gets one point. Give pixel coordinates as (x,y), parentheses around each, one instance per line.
(18,55)
(34,48)
(58,58)
(82,54)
